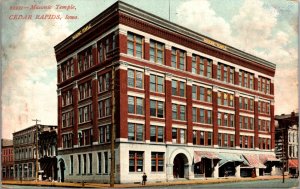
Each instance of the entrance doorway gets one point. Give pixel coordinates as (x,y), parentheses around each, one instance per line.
(62,170)
(179,166)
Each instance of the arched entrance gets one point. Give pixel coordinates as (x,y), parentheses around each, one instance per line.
(62,170)
(179,163)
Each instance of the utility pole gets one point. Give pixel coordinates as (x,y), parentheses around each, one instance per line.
(283,153)
(113,135)
(36,149)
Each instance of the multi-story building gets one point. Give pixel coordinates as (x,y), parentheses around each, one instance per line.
(183,105)
(286,141)
(7,159)
(47,152)
(25,143)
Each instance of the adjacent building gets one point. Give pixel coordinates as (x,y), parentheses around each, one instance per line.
(7,159)
(286,141)
(48,150)
(25,143)
(183,105)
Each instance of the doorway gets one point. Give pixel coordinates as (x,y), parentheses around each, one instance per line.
(179,166)
(62,170)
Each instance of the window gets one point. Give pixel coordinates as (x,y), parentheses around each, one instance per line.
(85,113)
(85,90)
(202,93)
(104,132)
(67,140)
(182,113)
(156,108)
(225,140)
(157,161)
(156,84)
(79,164)
(246,79)
(135,45)
(68,119)
(67,69)
(136,161)
(100,52)
(194,137)
(194,64)
(231,141)
(194,92)
(135,132)
(194,114)
(174,135)
(220,139)
(178,59)
(135,105)
(104,82)
(156,52)
(182,136)
(201,137)
(99,163)
(209,117)
(178,88)
(225,99)
(84,164)
(181,109)
(174,111)
(225,73)
(156,133)
(67,98)
(105,162)
(90,163)
(85,59)
(201,116)
(135,78)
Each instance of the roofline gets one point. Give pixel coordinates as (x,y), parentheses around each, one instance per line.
(163,23)
(28,128)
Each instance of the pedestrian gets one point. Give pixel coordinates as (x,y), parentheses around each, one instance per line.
(144,179)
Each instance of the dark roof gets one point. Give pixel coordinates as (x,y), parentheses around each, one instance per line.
(163,23)
(6,142)
(286,116)
(32,127)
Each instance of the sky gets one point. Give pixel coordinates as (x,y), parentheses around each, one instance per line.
(265,28)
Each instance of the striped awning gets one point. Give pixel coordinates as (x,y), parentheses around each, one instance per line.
(254,161)
(267,157)
(293,163)
(229,157)
(198,155)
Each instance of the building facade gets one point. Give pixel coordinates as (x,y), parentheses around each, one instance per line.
(47,152)
(183,105)
(7,159)
(286,141)
(25,143)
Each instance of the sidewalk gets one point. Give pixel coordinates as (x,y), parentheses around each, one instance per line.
(149,184)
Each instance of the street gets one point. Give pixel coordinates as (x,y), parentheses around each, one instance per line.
(289,183)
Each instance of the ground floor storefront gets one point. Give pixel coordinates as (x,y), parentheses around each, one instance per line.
(162,163)
(24,170)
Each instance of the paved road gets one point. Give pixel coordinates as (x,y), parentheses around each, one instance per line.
(289,183)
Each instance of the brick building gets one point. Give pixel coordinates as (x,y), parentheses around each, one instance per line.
(287,141)
(186,106)
(24,142)
(7,159)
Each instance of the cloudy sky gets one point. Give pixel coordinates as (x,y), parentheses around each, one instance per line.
(265,28)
